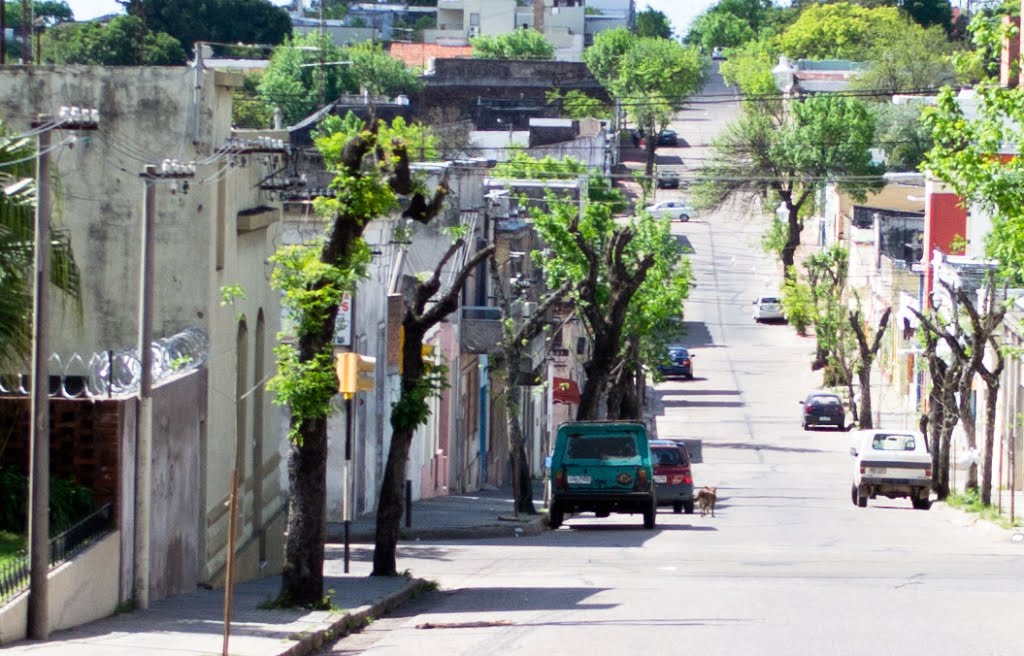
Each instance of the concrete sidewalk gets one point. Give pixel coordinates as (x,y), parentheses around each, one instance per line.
(193,623)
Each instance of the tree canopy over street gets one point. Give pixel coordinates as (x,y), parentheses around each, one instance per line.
(220,21)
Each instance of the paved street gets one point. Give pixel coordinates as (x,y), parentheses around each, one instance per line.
(788,566)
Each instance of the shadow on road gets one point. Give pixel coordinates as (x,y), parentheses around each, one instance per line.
(756,446)
(698,392)
(683,403)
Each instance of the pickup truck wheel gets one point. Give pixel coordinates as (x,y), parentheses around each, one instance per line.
(555,516)
(862,501)
(649,515)
(853,494)
(921,504)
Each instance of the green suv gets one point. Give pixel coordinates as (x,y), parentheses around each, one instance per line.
(602,467)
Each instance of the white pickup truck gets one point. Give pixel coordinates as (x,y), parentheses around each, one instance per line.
(891,464)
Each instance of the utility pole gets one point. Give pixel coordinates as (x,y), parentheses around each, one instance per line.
(39,456)
(26,31)
(39,503)
(3,32)
(169,169)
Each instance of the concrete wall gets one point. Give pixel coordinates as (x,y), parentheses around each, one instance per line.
(81,590)
(149,114)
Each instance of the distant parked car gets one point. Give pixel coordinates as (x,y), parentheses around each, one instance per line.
(673,476)
(718,54)
(680,363)
(676,210)
(668,138)
(667,179)
(768,308)
(822,409)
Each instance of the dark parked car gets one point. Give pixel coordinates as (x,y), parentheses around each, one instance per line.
(680,363)
(822,409)
(667,179)
(668,138)
(673,478)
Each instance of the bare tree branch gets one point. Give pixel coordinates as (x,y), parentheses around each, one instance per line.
(449,300)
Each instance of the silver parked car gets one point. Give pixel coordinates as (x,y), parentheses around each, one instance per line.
(768,308)
(675,210)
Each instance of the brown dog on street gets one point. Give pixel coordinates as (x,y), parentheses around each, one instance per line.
(706,500)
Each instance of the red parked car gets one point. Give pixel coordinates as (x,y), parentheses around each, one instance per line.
(673,478)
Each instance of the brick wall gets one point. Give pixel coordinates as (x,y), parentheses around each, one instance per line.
(84,441)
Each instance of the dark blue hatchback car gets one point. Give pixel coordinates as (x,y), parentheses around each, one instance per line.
(679,365)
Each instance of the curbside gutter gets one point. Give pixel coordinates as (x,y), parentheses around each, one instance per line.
(355,620)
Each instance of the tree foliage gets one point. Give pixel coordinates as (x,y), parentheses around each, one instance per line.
(653,23)
(295,80)
(902,135)
(17,233)
(651,77)
(786,155)
(124,41)
(838,31)
(910,59)
(577,105)
(966,156)
(517,44)
(749,68)
(219,21)
(627,282)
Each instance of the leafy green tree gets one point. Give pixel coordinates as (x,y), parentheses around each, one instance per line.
(17,222)
(966,156)
(517,44)
(838,31)
(219,21)
(985,32)
(901,134)
(786,155)
(627,283)
(928,13)
(719,30)
(911,59)
(576,104)
(650,77)
(797,303)
(247,109)
(124,41)
(296,82)
(371,169)
(652,23)
(749,68)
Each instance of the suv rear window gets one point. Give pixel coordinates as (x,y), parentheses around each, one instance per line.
(599,448)
(670,456)
(824,400)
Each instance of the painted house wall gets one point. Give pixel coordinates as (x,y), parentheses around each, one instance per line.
(146,115)
(944,221)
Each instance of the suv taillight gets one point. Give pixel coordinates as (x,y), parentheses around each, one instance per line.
(559,480)
(688,479)
(641,477)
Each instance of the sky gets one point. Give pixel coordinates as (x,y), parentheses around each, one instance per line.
(680,12)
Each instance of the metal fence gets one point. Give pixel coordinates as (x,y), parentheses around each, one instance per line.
(115,372)
(15,574)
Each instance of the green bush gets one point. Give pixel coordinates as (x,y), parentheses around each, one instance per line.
(798,304)
(69,502)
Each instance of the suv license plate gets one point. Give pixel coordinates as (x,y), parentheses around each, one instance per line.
(576,479)
(661,479)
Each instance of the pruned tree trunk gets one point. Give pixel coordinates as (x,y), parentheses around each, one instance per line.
(991,398)
(302,578)
(970,424)
(412,409)
(513,339)
(866,354)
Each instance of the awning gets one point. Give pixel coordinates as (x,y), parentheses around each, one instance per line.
(565,390)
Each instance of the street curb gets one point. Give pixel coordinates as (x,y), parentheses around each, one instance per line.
(530,528)
(357,619)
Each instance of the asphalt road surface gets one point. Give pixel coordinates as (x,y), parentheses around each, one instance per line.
(789,566)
